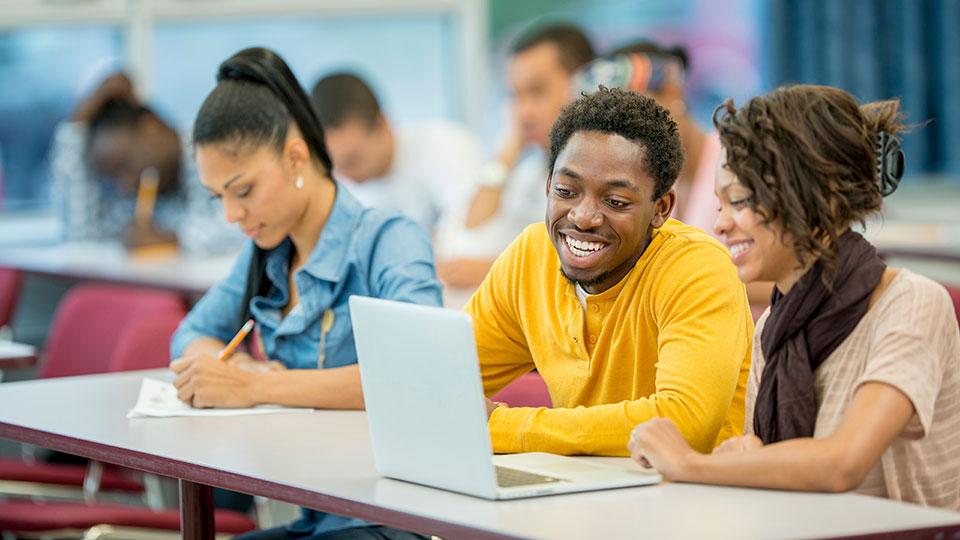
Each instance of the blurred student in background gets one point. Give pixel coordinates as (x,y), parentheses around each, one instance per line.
(422,171)
(509,192)
(97,160)
(855,383)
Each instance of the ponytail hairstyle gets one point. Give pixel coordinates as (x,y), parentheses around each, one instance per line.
(812,159)
(256,98)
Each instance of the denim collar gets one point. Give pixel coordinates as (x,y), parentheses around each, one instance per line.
(328,258)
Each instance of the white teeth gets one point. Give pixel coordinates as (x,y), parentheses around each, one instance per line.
(737,249)
(581,248)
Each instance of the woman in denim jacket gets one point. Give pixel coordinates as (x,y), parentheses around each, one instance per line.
(260,150)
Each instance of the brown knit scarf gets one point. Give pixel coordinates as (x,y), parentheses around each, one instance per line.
(803,328)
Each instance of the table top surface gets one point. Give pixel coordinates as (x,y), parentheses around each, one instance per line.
(110,262)
(910,240)
(324,460)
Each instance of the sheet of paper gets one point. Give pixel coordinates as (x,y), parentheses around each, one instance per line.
(158,399)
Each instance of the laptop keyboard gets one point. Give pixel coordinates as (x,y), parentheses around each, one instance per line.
(507,477)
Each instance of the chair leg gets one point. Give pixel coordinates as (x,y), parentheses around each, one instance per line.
(91,481)
(37,491)
(111,532)
(272,513)
(262,507)
(153,492)
(28,452)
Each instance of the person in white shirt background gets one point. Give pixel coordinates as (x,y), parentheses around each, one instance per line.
(509,192)
(422,170)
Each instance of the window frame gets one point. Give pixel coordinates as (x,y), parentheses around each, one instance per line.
(137,19)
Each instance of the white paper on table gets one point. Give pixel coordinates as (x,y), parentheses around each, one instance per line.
(159,399)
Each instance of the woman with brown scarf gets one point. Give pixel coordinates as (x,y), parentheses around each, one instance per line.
(855,383)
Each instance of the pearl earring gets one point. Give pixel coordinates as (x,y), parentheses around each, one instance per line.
(299,182)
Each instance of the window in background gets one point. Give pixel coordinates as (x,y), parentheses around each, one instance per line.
(407,59)
(878,50)
(43,71)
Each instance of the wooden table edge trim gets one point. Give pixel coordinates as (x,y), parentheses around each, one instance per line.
(942,532)
(200,474)
(18,362)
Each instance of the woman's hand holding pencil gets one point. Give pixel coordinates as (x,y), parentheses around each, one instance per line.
(207,381)
(236,341)
(245,361)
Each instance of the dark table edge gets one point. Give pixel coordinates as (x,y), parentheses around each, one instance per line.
(944,532)
(18,362)
(254,486)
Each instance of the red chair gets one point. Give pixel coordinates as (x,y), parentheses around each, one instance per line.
(954,291)
(77,519)
(528,390)
(145,343)
(90,320)
(20,478)
(97,328)
(9,291)
(101,328)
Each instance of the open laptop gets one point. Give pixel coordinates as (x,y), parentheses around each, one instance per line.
(428,422)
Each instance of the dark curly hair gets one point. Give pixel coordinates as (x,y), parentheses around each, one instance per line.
(632,116)
(809,156)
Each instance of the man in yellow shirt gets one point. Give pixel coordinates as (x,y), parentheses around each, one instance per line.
(626,313)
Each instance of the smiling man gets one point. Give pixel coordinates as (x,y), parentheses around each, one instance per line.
(627,314)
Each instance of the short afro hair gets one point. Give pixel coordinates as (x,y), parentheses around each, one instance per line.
(632,116)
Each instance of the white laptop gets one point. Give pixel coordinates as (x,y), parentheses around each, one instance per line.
(428,422)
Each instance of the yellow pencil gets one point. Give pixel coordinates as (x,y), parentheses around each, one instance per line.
(242,333)
(146,196)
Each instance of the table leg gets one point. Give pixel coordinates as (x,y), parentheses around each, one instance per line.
(196,511)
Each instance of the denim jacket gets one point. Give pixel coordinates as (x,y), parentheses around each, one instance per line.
(361,251)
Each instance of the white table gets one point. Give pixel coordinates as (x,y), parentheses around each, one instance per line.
(323,460)
(110,262)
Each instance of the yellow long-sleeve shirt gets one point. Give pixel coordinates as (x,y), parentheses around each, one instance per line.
(672,339)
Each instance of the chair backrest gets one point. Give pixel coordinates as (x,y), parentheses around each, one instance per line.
(528,390)
(90,320)
(145,343)
(954,291)
(9,291)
